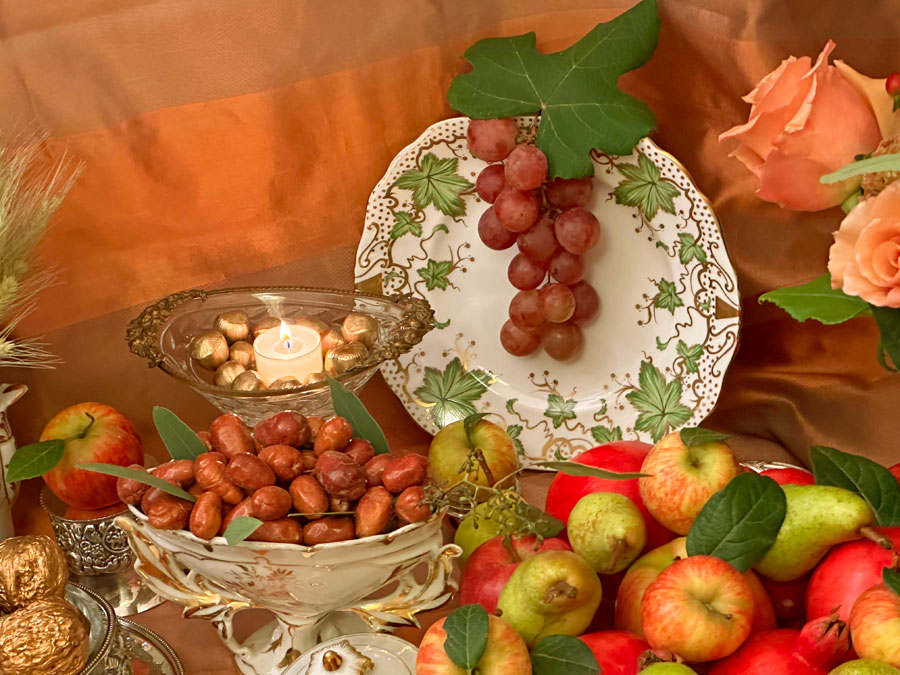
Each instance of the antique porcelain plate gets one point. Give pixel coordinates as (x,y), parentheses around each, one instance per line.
(654,358)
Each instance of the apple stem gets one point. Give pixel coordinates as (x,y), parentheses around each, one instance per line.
(871,534)
(84,432)
(508,545)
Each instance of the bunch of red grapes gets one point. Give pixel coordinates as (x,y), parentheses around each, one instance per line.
(552,230)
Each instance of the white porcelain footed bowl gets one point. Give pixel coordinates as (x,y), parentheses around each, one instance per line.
(316,592)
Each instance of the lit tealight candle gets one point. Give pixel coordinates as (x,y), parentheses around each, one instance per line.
(291,351)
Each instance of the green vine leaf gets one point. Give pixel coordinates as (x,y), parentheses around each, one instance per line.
(604,435)
(467,631)
(514,431)
(658,401)
(559,409)
(35,459)
(404,224)
(644,188)
(690,249)
(436,182)
(574,90)
(690,354)
(440,325)
(667,298)
(510,406)
(435,274)
(816,300)
(452,392)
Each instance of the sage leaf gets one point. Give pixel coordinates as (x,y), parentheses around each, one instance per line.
(739,523)
(467,631)
(578,469)
(692,436)
(869,165)
(817,300)
(36,459)
(139,476)
(347,405)
(240,528)
(868,479)
(888,321)
(891,579)
(179,439)
(563,655)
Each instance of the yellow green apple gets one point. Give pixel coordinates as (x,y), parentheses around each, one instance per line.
(450,448)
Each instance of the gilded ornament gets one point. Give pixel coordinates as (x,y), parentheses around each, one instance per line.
(360,328)
(242,352)
(247,381)
(263,325)
(234,325)
(340,659)
(49,636)
(315,377)
(345,357)
(31,567)
(285,382)
(316,324)
(331,339)
(209,349)
(227,372)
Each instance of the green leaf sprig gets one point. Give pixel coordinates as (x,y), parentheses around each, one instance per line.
(347,405)
(868,479)
(891,579)
(240,528)
(694,436)
(467,631)
(578,469)
(817,300)
(179,439)
(140,476)
(563,655)
(575,90)
(36,459)
(739,523)
(889,162)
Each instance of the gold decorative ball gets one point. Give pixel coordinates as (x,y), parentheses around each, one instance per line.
(331,339)
(48,637)
(345,357)
(263,325)
(286,382)
(31,567)
(247,381)
(209,349)
(234,325)
(315,377)
(242,352)
(316,324)
(226,373)
(360,328)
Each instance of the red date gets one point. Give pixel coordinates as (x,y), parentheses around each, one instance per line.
(340,475)
(405,472)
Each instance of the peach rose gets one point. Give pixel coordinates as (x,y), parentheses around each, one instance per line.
(865,258)
(805,121)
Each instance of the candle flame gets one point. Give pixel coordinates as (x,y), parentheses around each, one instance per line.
(285,332)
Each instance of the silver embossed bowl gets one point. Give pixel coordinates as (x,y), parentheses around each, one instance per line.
(163,331)
(107,655)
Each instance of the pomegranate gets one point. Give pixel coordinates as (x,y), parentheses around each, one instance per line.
(814,650)
(790,476)
(617,651)
(847,571)
(788,597)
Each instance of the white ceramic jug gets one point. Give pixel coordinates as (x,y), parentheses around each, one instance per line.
(9,394)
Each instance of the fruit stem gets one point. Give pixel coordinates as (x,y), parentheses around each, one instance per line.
(871,534)
(560,588)
(84,432)
(482,462)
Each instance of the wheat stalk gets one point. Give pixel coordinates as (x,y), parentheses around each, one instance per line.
(28,200)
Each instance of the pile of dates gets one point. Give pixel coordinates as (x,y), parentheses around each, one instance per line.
(307,479)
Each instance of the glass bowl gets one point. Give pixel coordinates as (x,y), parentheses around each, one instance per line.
(163,331)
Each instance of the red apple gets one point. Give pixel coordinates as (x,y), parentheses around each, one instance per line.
(619,456)
(618,652)
(681,479)
(790,476)
(895,470)
(700,608)
(847,571)
(505,653)
(491,565)
(93,432)
(74,513)
(875,625)
(763,610)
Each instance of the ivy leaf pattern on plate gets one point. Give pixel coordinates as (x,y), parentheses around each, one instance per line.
(514,431)
(436,182)
(404,224)
(690,249)
(435,274)
(667,298)
(659,403)
(644,188)
(451,393)
(604,435)
(690,354)
(559,409)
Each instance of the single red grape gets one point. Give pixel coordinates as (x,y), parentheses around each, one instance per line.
(518,342)
(525,311)
(587,302)
(539,241)
(526,167)
(490,182)
(516,210)
(492,233)
(564,193)
(556,302)
(892,84)
(577,230)
(525,274)
(567,268)
(562,340)
(491,140)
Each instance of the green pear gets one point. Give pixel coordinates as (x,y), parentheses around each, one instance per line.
(607,530)
(864,667)
(818,517)
(479,526)
(668,669)
(551,593)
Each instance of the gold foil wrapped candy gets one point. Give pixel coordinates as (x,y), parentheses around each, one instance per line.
(227,372)
(331,339)
(48,637)
(316,324)
(31,567)
(344,357)
(247,381)
(315,377)
(263,325)
(360,328)
(285,382)
(234,325)
(243,353)
(209,349)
